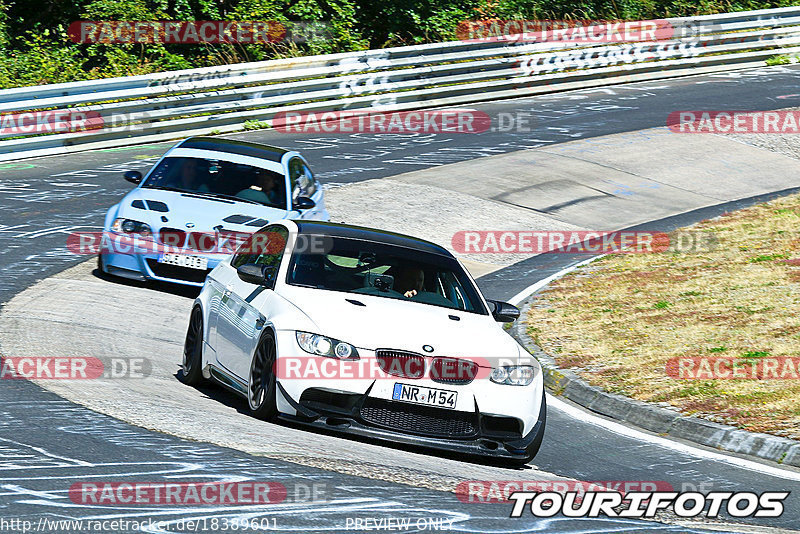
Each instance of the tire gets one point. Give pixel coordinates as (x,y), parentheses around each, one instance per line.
(261,384)
(101,265)
(533,448)
(192,367)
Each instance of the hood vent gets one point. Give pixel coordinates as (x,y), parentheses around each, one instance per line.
(237,219)
(246,220)
(153,205)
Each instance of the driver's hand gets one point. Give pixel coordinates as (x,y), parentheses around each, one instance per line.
(410,293)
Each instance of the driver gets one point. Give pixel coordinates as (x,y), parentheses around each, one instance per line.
(264,190)
(191,175)
(410,281)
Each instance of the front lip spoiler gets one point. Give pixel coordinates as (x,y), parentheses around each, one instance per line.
(480,446)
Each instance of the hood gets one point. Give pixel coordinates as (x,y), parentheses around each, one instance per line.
(402,325)
(202,213)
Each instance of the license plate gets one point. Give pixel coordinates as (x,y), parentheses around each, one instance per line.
(441,398)
(182,260)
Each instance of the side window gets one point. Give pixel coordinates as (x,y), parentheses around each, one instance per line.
(301,179)
(264,247)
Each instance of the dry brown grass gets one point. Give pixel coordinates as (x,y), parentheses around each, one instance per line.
(620,319)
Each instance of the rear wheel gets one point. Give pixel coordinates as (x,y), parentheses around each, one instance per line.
(192,372)
(261,384)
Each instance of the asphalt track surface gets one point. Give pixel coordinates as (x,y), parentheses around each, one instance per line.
(48,442)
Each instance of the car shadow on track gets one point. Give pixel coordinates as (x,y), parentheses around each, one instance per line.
(417,449)
(228,398)
(219,393)
(189,292)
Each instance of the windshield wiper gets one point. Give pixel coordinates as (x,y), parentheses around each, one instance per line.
(232,197)
(166,188)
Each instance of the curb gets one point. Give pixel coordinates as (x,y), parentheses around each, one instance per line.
(660,419)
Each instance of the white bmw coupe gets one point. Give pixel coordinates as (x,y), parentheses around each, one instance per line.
(369,333)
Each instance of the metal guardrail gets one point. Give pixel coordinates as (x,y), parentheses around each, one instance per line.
(169,105)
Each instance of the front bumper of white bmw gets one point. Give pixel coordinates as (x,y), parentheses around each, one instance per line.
(477,416)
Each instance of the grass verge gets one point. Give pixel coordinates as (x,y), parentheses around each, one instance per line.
(619,321)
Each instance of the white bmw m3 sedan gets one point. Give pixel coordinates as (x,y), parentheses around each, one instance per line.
(370,333)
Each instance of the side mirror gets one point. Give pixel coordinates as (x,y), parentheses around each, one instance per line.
(260,275)
(504,312)
(134,177)
(303,203)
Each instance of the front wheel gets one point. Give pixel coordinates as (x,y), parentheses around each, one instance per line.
(192,368)
(261,384)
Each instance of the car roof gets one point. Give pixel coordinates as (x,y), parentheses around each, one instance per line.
(230,146)
(368,234)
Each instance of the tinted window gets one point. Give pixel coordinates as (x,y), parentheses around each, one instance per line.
(264,247)
(219,178)
(381,270)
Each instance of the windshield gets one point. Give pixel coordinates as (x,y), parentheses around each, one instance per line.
(218,178)
(382,270)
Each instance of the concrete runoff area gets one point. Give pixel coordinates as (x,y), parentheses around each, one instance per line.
(76,313)
(616,181)
(436,214)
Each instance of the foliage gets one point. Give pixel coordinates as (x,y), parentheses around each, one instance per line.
(36,48)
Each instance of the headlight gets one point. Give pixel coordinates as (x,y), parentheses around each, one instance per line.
(325,346)
(513,375)
(129,226)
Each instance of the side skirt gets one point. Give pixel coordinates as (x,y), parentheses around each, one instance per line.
(228,381)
